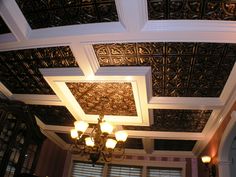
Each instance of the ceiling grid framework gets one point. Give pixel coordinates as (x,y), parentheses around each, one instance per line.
(134,28)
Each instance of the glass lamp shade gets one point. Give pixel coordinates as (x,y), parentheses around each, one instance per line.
(206,159)
(74,133)
(121,136)
(89,141)
(111,143)
(106,127)
(81,126)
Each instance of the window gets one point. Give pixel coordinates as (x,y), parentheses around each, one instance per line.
(164,172)
(82,169)
(124,171)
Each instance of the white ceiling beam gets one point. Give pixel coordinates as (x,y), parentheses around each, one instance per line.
(192,103)
(5,90)
(138,134)
(148,145)
(14,19)
(135,19)
(214,123)
(163,31)
(37,99)
(86,58)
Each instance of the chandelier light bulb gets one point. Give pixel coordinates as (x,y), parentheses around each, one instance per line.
(121,136)
(206,159)
(74,133)
(81,126)
(89,142)
(106,127)
(111,143)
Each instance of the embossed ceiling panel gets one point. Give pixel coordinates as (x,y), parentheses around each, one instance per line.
(192,9)
(178,69)
(19,70)
(176,121)
(66,137)
(174,145)
(44,13)
(90,97)
(134,143)
(3,27)
(53,115)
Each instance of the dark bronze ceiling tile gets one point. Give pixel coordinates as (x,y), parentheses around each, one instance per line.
(192,9)
(43,14)
(90,97)
(174,145)
(3,27)
(66,137)
(134,143)
(176,121)
(178,69)
(53,115)
(19,70)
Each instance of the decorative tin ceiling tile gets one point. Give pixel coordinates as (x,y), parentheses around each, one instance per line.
(134,143)
(176,121)
(19,70)
(174,145)
(44,13)
(53,115)
(178,69)
(90,97)
(66,137)
(191,9)
(3,27)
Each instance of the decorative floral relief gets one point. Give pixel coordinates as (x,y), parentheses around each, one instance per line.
(120,99)
(178,69)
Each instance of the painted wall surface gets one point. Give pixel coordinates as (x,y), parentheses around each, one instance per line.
(233,156)
(213,146)
(51,160)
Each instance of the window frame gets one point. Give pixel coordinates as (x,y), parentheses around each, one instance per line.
(145,164)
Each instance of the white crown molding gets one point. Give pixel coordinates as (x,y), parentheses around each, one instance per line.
(192,103)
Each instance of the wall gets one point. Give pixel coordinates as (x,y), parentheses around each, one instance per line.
(51,160)
(233,155)
(213,146)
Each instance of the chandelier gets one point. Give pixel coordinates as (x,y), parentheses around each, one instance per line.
(99,143)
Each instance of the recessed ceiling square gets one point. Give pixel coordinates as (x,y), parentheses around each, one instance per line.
(43,14)
(19,69)
(177,121)
(53,115)
(120,98)
(174,145)
(178,69)
(191,9)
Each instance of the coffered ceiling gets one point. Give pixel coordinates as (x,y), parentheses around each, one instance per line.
(166,67)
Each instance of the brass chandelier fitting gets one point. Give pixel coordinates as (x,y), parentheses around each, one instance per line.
(98,144)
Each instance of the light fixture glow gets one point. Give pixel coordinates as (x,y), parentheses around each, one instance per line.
(89,141)
(121,136)
(74,133)
(111,143)
(81,126)
(106,127)
(206,159)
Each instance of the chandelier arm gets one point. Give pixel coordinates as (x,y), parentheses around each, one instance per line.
(107,159)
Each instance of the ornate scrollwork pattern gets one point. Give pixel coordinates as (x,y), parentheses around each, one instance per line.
(3,27)
(176,121)
(45,13)
(53,115)
(178,69)
(90,95)
(19,70)
(174,145)
(191,9)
